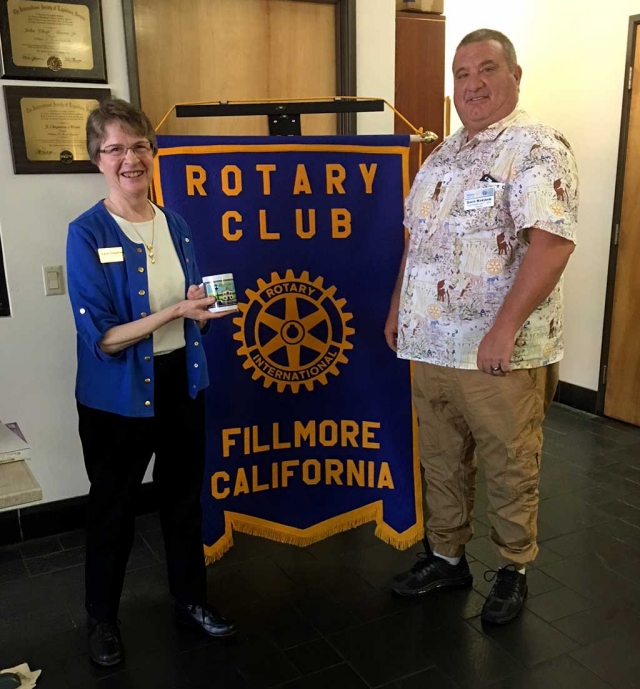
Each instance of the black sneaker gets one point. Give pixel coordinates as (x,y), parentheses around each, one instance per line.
(430,573)
(507,596)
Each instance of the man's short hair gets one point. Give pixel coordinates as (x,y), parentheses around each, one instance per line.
(482,35)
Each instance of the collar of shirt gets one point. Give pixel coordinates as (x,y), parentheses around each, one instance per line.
(492,132)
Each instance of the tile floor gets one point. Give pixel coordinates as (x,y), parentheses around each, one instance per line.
(322,617)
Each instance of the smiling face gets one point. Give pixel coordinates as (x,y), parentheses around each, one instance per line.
(128,176)
(486,88)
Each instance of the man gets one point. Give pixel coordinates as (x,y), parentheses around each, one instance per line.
(478,306)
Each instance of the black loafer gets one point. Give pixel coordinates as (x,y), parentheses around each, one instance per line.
(210,621)
(105,644)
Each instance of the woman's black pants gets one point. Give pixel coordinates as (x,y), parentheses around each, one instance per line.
(117,450)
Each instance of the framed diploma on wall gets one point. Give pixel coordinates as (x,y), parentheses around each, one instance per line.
(47,127)
(52,41)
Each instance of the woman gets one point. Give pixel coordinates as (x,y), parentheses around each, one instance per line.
(141,375)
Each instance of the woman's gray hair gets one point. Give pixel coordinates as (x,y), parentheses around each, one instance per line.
(126,115)
(482,35)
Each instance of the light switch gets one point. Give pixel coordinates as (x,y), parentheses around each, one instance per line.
(53,280)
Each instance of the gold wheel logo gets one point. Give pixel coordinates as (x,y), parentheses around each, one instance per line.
(434,312)
(293,332)
(495,266)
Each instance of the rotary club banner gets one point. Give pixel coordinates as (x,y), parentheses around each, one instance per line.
(309,420)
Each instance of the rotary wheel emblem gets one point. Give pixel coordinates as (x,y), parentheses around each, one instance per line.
(557,209)
(434,312)
(293,332)
(425,209)
(494,266)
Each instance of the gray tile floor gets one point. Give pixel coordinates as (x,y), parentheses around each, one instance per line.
(322,617)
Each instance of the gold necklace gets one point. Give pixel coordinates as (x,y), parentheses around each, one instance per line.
(149,247)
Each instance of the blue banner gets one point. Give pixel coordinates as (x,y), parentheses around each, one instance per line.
(310,428)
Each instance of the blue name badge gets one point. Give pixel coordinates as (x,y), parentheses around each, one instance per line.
(479,198)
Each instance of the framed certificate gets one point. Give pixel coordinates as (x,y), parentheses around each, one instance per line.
(47,127)
(52,41)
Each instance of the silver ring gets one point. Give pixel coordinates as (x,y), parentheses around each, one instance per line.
(495,369)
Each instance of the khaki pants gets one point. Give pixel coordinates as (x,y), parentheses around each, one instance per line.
(465,413)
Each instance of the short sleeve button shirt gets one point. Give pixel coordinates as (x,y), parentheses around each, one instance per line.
(463,258)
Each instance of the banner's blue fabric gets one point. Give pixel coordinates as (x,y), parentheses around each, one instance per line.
(309,419)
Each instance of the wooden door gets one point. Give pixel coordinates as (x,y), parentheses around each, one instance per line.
(622,396)
(222,50)
(420,77)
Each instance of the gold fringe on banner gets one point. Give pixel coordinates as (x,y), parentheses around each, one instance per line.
(281,533)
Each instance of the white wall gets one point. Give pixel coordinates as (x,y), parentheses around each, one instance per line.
(376,60)
(573,57)
(37,344)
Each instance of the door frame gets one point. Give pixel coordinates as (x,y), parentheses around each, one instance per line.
(5,306)
(346,77)
(634,23)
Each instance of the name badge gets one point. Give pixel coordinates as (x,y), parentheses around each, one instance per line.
(479,198)
(111,254)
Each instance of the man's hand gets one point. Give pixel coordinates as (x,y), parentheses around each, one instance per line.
(541,268)
(495,352)
(391,328)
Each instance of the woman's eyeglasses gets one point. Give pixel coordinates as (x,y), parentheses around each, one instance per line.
(141,149)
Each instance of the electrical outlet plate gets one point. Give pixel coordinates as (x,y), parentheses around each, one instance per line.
(53,280)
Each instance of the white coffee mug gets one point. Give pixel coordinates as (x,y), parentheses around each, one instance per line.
(223,289)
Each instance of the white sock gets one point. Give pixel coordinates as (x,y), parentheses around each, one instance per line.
(451,560)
